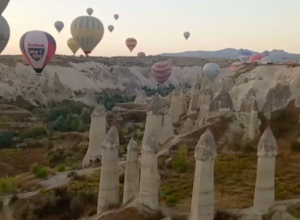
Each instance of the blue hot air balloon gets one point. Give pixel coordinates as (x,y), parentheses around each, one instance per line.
(244,56)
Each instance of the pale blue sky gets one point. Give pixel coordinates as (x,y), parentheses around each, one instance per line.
(158,25)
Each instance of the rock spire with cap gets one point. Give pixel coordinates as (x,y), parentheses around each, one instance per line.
(99,110)
(267,145)
(222,101)
(131,183)
(149,185)
(112,138)
(155,105)
(187,126)
(206,147)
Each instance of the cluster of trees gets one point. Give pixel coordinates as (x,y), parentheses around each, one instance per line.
(109,98)
(162,90)
(68,117)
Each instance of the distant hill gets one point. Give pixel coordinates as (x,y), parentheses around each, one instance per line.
(229,53)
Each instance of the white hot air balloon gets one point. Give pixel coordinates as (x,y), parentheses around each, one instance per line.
(186,35)
(211,70)
(116,16)
(87,31)
(3,5)
(111,28)
(4,33)
(89,11)
(59,25)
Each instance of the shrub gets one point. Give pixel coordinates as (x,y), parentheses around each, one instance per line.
(39,171)
(179,162)
(295,146)
(61,168)
(88,198)
(171,200)
(6,139)
(34,132)
(8,185)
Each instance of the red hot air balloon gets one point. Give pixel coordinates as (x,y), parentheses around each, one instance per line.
(131,43)
(38,47)
(236,66)
(256,58)
(141,54)
(161,71)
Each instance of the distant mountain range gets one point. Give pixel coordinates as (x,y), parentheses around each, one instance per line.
(230,53)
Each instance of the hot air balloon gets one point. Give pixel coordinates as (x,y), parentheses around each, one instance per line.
(256,58)
(161,71)
(74,47)
(90,11)
(38,47)
(87,32)
(111,28)
(186,35)
(211,70)
(59,25)
(266,53)
(131,43)
(244,56)
(141,54)
(236,66)
(3,5)
(116,16)
(4,33)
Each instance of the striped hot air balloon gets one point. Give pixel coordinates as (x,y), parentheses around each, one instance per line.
(161,71)
(87,31)
(256,58)
(38,47)
(236,66)
(141,54)
(131,43)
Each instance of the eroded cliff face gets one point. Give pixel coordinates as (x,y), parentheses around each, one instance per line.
(63,79)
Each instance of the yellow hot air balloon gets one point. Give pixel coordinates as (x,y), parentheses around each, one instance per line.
(74,47)
(87,31)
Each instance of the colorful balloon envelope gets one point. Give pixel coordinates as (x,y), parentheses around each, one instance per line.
(186,35)
(116,16)
(236,66)
(131,43)
(111,28)
(256,58)
(3,5)
(266,53)
(74,47)
(141,54)
(38,47)
(245,56)
(87,31)
(59,25)
(161,71)
(4,33)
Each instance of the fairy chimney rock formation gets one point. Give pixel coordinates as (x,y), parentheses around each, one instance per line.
(167,130)
(277,98)
(109,180)
(222,102)
(96,136)
(249,115)
(174,108)
(154,119)
(202,207)
(148,194)
(204,101)
(265,175)
(187,126)
(131,184)
(182,102)
(195,94)
(141,98)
